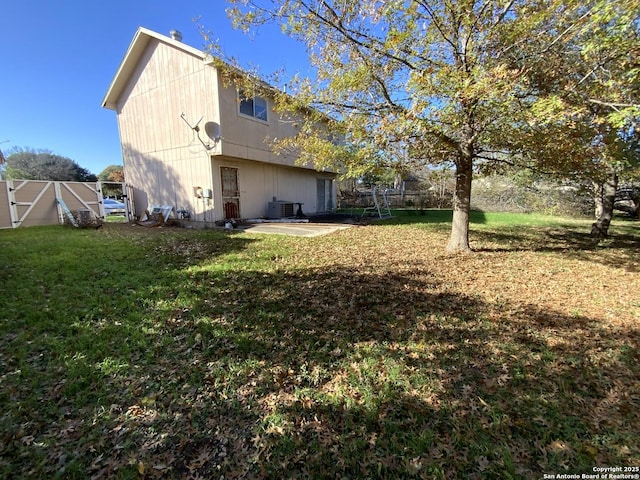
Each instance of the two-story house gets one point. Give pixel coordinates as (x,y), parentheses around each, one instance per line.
(197,143)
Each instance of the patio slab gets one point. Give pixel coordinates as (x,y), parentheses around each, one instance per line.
(295,229)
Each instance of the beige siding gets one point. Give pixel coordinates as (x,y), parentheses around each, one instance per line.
(164,161)
(248,138)
(260,182)
(163,158)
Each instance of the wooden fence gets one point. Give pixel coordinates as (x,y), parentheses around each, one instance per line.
(26,203)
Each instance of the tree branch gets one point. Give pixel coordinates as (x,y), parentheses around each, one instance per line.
(614,105)
(435,22)
(350,35)
(566,31)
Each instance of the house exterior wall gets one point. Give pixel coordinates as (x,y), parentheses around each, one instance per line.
(260,182)
(163,158)
(262,174)
(248,138)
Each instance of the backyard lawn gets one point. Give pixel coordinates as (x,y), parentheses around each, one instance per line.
(128,352)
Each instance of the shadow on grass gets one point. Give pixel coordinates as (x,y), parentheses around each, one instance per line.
(561,237)
(320,373)
(410,380)
(619,251)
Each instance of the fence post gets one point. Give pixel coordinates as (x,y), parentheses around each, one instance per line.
(13,209)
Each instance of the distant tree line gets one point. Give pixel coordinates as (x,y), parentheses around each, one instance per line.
(41,164)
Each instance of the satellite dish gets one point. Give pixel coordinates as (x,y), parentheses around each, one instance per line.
(213,131)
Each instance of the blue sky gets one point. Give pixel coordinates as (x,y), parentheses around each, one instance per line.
(58,57)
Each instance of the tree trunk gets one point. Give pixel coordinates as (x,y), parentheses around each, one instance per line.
(605,198)
(598,190)
(459,239)
(635,198)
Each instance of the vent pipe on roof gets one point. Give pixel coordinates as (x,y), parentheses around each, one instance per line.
(176,35)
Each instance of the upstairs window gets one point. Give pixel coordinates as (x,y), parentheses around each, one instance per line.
(253,106)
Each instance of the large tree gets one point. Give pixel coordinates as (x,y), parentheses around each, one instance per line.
(610,87)
(588,82)
(444,78)
(38,164)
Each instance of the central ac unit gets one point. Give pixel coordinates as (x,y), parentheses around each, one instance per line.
(280,209)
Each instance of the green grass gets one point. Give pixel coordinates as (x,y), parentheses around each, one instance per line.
(442,218)
(476,217)
(129,352)
(115,219)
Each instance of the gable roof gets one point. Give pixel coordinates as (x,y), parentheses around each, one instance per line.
(135,51)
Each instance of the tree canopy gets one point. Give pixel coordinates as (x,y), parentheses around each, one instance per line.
(112,173)
(39,164)
(476,84)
